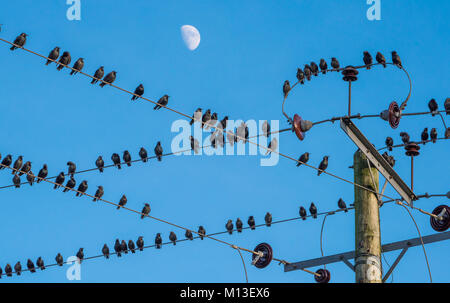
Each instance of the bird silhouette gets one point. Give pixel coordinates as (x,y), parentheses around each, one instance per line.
(424,135)
(43,173)
(140,243)
(6,161)
(80,255)
(18,268)
(433,135)
(286,88)
(98,75)
(53,56)
(380,59)
(342,205)
(70,184)
(405,137)
(396,59)
(158,151)
(82,188)
(251,222)
(335,64)
(59,180)
(64,60)
(71,168)
(122,202)
(40,263)
(19,42)
(139,91)
(25,168)
(127,157)
(197,116)
(17,164)
(303,159)
(268,219)
(163,101)
(30,266)
(367,59)
(433,106)
(173,238)
(116,160)
(188,235)
(143,154)
(300,76)
(77,66)
(313,210)
(105,251)
(16,181)
(145,210)
(118,248)
(229,226)
(100,163)
(314,69)
(124,247)
(323,66)
(131,246)
(389,143)
(201,232)
(302,212)
(158,241)
(59,259)
(307,70)
(98,194)
(323,165)
(109,78)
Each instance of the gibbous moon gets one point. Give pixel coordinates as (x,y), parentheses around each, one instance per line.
(191,36)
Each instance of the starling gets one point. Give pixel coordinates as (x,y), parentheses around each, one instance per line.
(396,59)
(390,160)
(300,76)
(8,270)
(70,184)
(163,101)
(239,225)
(30,178)
(342,205)
(268,219)
(380,59)
(18,268)
(64,60)
(323,165)
(19,42)
(59,259)
(124,247)
(424,135)
(118,248)
(313,210)
(25,168)
(143,154)
(433,106)
(109,78)
(447,106)
(405,137)
(116,160)
(206,117)
(158,240)
(302,212)
(173,238)
(127,157)
(16,181)
(273,145)
(105,251)
(72,168)
(367,59)
(307,71)
(195,145)
(189,235)
(212,122)
(197,116)
(122,201)
(100,163)
(40,263)
(158,151)
(43,173)
(145,210)
(59,180)
(30,266)
(139,91)
(98,75)
(82,188)
(286,88)
(223,122)
(201,232)
(78,66)
(17,164)
(334,63)
(6,161)
(323,66)
(303,159)
(389,143)
(251,222)
(98,194)
(131,246)
(433,135)
(54,54)
(229,226)
(314,69)
(140,243)
(266,128)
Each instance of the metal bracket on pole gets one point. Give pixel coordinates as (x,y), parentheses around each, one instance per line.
(400,255)
(347,262)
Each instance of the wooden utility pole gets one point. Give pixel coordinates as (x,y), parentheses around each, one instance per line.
(368,267)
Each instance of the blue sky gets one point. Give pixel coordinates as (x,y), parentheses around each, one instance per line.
(248,49)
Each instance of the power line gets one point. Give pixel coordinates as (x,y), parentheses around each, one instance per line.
(417,142)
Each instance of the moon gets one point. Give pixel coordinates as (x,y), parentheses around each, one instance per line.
(191,36)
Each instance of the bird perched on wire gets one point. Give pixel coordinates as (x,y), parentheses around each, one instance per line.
(43,173)
(307,70)
(313,210)
(323,66)
(229,226)
(173,238)
(59,259)
(268,219)
(188,235)
(239,225)
(433,135)
(17,165)
(118,248)
(212,122)
(223,123)
(127,158)
(64,60)
(300,76)
(71,168)
(158,240)
(77,66)
(80,255)
(19,42)
(70,184)
(342,205)
(140,243)
(405,137)
(251,222)
(143,154)
(447,106)
(380,59)
(6,161)
(145,210)
(367,59)
(323,165)
(303,159)
(82,188)
(163,101)
(396,59)
(123,246)
(131,246)
(158,151)
(195,145)
(8,270)
(335,64)
(302,212)
(40,263)
(197,116)
(98,75)
(286,88)
(390,160)
(205,119)
(116,160)
(314,69)
(139,91)
(16,181)
(424,135)
(30,178)
(18,268)
(30,266)
(389,143)
(105,251)
(201,232)
(266,128)
(273,145)
(433,106)
(59,180)
(100,163)
(98,194)
(122,202)
(53,56)
(25,168)
(109,78)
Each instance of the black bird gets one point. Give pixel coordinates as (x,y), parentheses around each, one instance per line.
(300,76)
(109,78)
(313,210)
(78,66)
(43,173)
(224,122)
(342,205)
(163,101)
(447,133)
(229,226)
(100,163)
(380,59)
(433,135)
(433,106)
(145,210)
(158,240)
(158,151)
(197,116)
(286,88)
(16,181)
(8,270)
(268,219)
(25,168)
(59,180)
(195,145)
(118,248)
(65,59)
(323,66)
(396,59)
(105,251)
(251,222)
(206,117)
(389,143)
(82,188)
(131,246)
(54,54)
(59,259)
(17,164)
(143,154)
(30,266)
(302,212)
(173,238)
(116,160)
(424,135)
(124,247)
(189,235)
(334,63)
(314,68)
(98,194)
(40,263)
(30,177)
(98,75)
(72,168)
(139,91)
(19,41)
(323,165)
(201,232)
(18,268)
(307,71)
(303,159)
(447,106)
(122,201)
(70,184)
(405,137)
(239,225)
(6,161)
(140,243)
(266,128)
(367,59)
(213,121)
(389,159)
(127,157)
